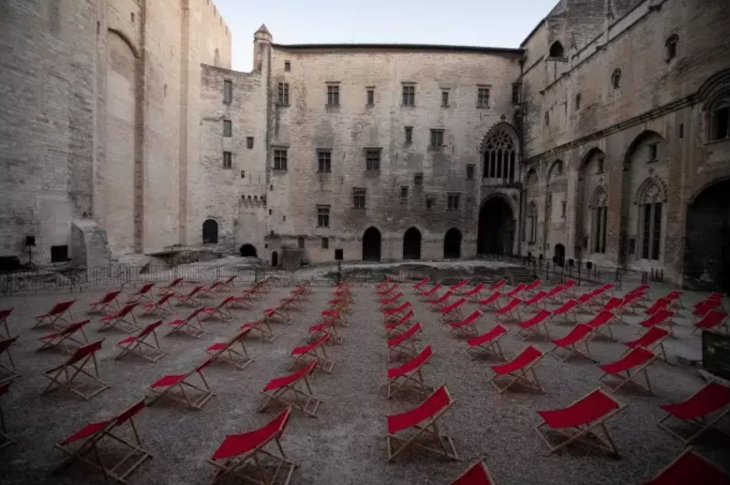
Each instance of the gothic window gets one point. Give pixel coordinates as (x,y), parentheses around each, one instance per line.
(599,220)
(577,101)
(556,50)
(532,223)
(499,156)
(616,79)
(720,118)
(671,47)
(650,221)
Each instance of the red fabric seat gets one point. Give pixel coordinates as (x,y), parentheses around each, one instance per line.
(603,317)
(712,319)
(516,290)
(404,319)
(566,307)
(591,408)
(415,363)
(435,403)
(400,338)
(170,380)
(473,317)
(637,357)
(660,304)
(539,296)
(691,468)
(657,318)
(492,334)
(238,444)
(453,306)
(418,285)
(280,382)
(527,357)
(477,474)
(217,346)
(399,309)
(491,298)
(576,334)
(711,398)
(536,319)
(88,430)
(499,284)
(533,285)
(474,291)
(305,349)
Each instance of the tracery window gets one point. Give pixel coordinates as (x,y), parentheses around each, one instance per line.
(500,154)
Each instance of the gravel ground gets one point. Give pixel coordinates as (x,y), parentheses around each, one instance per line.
(345,444)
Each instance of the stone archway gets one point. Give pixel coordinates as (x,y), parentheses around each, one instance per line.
(452,244)
(496,227)
(412,244)
(371,243)
(707,265)
(248,251)
(210,232)
(559,255)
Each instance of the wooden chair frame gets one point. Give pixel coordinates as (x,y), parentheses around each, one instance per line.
(188,325)
(170,288)
(65,374)
(278,314)
(404,344)
(535,326)
(262,328)
(135,344)
(142,295)
(107,301)
(4,315)
(57,317)
(196,396)
(509,316)
(491,346)
(119,320)
(395,328)
(466,327)
(411,380)
(521,376)
(228,284)
(393,316)
(575,347)
(8,372)
(58,339)
(651,346)
(630,377)
(158,307)
(702,425)
(226,352)
(316,352)
(190,298)
(310,402)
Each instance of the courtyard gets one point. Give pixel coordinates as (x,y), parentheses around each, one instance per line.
(345,443)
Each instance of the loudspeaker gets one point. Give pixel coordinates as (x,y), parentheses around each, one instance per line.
(29,241)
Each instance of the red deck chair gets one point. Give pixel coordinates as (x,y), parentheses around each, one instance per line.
(569,288)
(136,344)
(601,325)
(329,326)
(477,474)
(423,418)
(59,339)
(532,288)
(584,418)
(396,313)
(392,301)
(565,313)
(212,290)
(535,326)
(632,364)
(703,410)
(452,312)
(422,283)
(262,329)
(142,295)
(385,282)
(222,311)
(491,302)
(59,315)
(427,294)
(630,303)
(336,315)
(466,327)
(536,301)
(509,312)
(384,291)
(239,453)
(690,467)
(302,398)
(171,288)
(498,285)
(291,303)
(488,342)
(396,327)
(227,352)
(514,292)
(577,337)
(408,376)
(4,315)
(314,352)
(7,371)
(66,374)
(161,307)
(180,388)
(106,303)
(704,307)
(458,288)
(5,440)
(85,444)
(403,344)
(438,303)
(554,294)
(650,340)
(714,320)
(585,302)
(660,304)
(228,284)
(475,294)
(120,320)
(519,370)
(191,298)
(660,317)
(191,325)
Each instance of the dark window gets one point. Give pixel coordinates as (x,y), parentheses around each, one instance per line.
(325,243)
(516,93)
(577,101)
(681,131)
(287,66)
(243,174)
(437,138)
(564,209)
(547,119)
(470,172)
(300,243)
(599,165)
(453,202)
(358,198)
(404,192)
(280,159)
(409,134)
(324,160)
(532,223)
(372,160)
(227,92)
(616,79)
(409,95)
(720,119)
(333,95)
(323,216)
(429,204)
(131,17)
(249,142)
(483,97)
(59,254)
(445,98)
(371,97)
(418,179)
(556,50)
(227,128)
(339,254)
(227,160)
(284,94)
(652,231)
(653,152)
(600,218)
(671,47)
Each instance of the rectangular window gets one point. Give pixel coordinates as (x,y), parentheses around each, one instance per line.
(653,152)
(564,209)
(59,254)
(372,160)
(652,231)
(445,98)
(409,95)
(280,159)
(243,174)
(681,131)
(483,97)
(287,66)
(325,243)
(249,142)
(453,202)
(284,94)
(409,134)
(358,196)
(418,179)
(333,95)
(227,160)
(720,125)
(324,160)
(437,138)
(371,97)
(227,128)
(600,218)
(516,93)
(227,92)
(429,204)
(470,172)
(404,192)
(323,216)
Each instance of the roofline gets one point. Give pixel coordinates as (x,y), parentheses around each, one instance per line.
(529,36)
(405,47)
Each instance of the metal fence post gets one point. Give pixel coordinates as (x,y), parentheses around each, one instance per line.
(255,274)
(339,271)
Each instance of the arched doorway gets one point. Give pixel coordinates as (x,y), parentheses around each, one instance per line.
(452,244)
(412,244)
(248,251)
(496,227)
(210,232)
(707,243)
(559,255)
(371,242)
(275,259)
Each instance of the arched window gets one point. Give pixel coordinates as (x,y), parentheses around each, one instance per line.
(210,232)
(720,118)
(650,200)
(300,243)
(532,223)
(671,47)
(556,50)
(599,220)
(577,101)
(616,79)
(500,154)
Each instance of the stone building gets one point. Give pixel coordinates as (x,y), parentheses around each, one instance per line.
(603,138)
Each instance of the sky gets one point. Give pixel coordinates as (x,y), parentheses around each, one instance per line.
(492,23)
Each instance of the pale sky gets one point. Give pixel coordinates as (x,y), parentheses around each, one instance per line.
(493,23)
